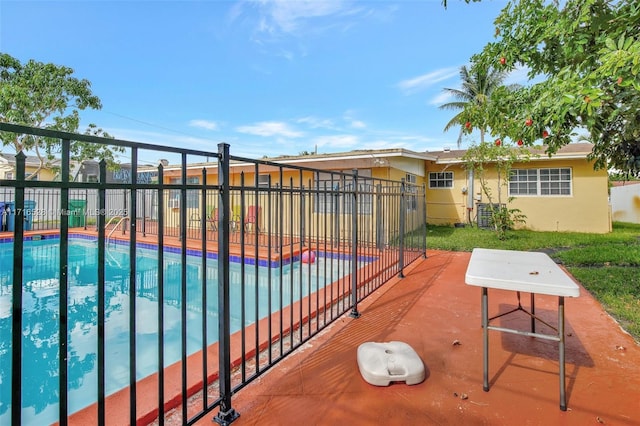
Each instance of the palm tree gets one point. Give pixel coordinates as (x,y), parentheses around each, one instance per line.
(477,85)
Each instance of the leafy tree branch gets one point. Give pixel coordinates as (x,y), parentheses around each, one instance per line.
(47,96)
(585,57)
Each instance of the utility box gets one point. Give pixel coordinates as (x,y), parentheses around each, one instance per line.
(77,212)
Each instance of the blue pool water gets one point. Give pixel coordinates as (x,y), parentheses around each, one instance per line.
(41,322)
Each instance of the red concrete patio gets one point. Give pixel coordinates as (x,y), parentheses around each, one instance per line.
(439,316)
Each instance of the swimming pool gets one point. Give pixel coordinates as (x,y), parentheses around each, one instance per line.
(41,322)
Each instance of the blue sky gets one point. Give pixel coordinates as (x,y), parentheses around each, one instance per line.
(269,77)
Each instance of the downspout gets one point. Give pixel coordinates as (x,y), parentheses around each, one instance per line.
(470,193)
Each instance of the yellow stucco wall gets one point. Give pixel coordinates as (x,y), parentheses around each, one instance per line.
(585,210)
(288,217)
(447,205)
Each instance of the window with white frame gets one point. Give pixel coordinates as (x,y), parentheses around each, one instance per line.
(8,175)
(411,189)
(441,180)
(193,195)
(540,182)
(334,190)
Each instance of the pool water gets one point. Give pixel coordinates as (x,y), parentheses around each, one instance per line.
(41,319)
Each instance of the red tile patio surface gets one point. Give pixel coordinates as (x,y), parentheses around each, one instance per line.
(431,309)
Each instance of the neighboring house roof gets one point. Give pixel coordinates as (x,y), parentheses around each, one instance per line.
(572,150)
(30,160)
(355,154)
(364,158)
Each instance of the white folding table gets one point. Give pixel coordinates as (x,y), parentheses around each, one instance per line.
(521,271)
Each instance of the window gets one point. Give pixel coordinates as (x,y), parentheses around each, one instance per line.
(328,196)
(8,175)
(441,180)
(193,195)
(542,182)
(411,189)
(263,180)
(334,193)
(523,182)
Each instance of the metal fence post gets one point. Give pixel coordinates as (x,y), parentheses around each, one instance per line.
(100,224)
(161,283)
(227,414)
(203,247)
(63,336)
(133,380)
(402,220)
(16,329)
(424,220)
(183,279)
(354,247)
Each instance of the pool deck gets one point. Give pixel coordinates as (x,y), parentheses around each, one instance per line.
(434,311)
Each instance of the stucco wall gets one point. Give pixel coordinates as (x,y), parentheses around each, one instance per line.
(447,205)
(585,210)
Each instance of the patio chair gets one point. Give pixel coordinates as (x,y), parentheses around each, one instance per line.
(252,221)
(213,219)
(236,215)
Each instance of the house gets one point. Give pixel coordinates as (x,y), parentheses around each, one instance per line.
(562,192)
(32,163)
(297,173)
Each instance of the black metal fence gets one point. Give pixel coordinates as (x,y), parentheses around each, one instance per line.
(204,275)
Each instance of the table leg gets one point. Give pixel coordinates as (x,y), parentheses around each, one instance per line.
(563,397)
(485,339)
(533,312)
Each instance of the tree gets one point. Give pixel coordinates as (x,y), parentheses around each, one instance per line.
(500,157)
(46,96)
(586,57)
(477,85)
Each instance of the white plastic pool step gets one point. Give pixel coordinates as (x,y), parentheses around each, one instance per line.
(383,363)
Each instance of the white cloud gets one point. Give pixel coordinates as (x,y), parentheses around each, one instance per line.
(440,98)
(270,128)
(205,124)
(288,16)
(353,122)
(336,141)
(421,82)
(382,144)
(315,122)
(357,124)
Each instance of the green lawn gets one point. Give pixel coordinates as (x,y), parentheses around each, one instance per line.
(606,265)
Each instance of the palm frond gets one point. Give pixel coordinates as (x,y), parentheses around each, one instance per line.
(477,84)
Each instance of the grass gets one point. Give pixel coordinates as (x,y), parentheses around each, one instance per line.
(607,265)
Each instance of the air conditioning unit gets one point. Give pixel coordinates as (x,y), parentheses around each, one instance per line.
(484,214)
(174,203)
